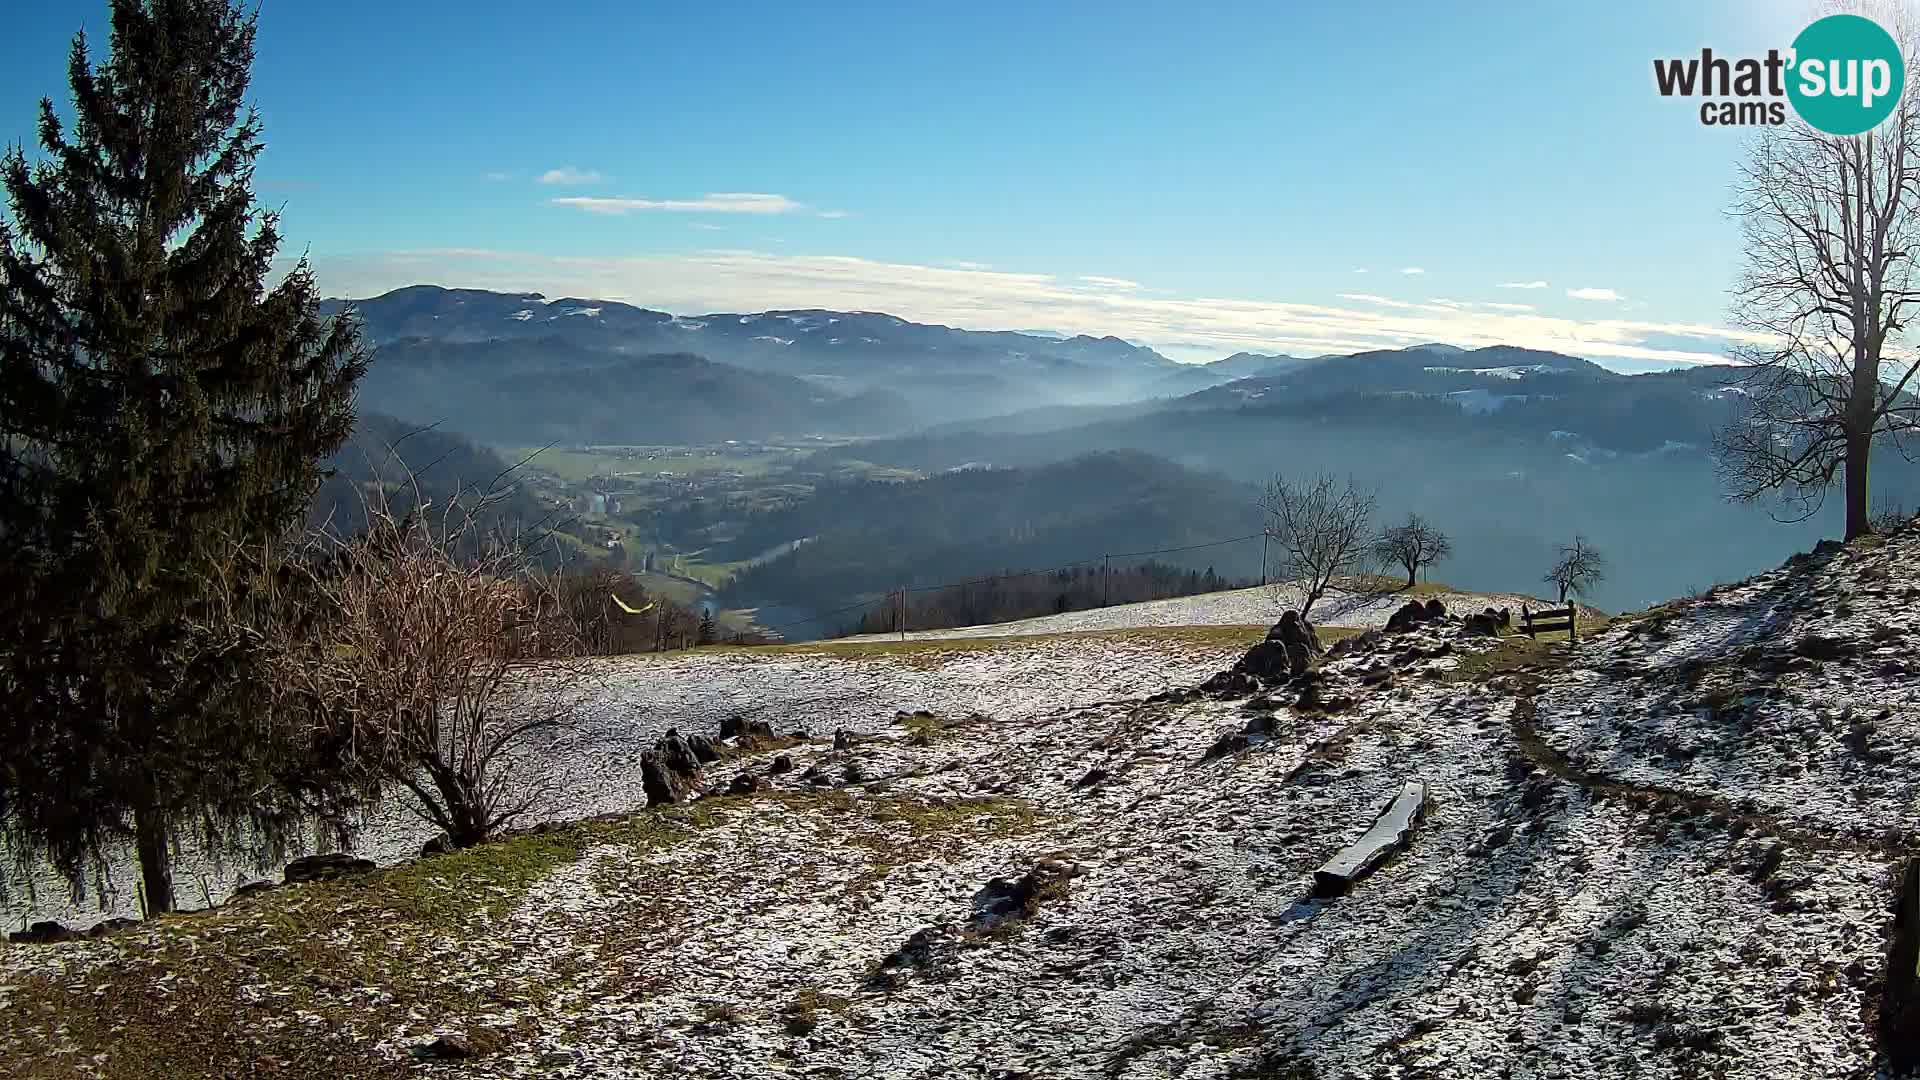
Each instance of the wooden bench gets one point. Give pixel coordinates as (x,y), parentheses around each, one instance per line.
(1550,621)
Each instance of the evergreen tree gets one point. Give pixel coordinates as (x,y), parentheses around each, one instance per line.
(163,416)
(708,633)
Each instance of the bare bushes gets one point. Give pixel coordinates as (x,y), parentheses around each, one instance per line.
(437,654)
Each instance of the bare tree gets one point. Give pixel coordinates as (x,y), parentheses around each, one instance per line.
(1580,568)
(1831,234)
(438,656)
(1411,545)
(1319,529)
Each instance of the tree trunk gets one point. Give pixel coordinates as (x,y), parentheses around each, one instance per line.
(1859,446)
(1412,570)
(156,864)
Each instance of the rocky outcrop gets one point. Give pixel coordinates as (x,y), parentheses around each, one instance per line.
(703,749)
(1415,612)
(1489,623)
(737,727)
(670,772)
(1289,650)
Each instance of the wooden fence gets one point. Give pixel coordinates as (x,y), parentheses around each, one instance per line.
(1549,621)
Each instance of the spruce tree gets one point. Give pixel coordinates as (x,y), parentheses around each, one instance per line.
(164,414)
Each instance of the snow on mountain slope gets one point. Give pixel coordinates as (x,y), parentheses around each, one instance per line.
(1667,853)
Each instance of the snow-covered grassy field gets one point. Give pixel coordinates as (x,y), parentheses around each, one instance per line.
(1260,604)
(1667,853)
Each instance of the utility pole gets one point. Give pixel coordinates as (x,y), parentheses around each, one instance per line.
(1106,581)
(1264,534)
(903,613)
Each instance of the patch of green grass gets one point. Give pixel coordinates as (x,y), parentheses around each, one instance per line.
(912,829)
(1513,653)
(1386,583)
(224,992)
(493,878)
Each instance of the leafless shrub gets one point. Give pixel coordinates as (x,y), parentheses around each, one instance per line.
(437,654)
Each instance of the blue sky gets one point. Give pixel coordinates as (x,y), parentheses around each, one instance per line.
(1199,177)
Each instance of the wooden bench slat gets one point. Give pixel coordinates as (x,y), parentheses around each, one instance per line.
(1388,834)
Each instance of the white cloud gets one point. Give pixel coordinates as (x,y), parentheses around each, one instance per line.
(706,226)
(1109,282)
(720,202)
(1607,295)
(1360,270)
(741,280)
(1491,306)
(1521,285)
(1413,270)
(962,264)
(834,214)
(498,177)
(567,174)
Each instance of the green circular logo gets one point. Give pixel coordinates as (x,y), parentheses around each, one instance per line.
(1847,74)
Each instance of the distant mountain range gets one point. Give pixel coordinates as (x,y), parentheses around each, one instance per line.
(1512,450)
(494,364)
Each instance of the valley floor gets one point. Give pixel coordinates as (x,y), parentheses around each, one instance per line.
(1665,854)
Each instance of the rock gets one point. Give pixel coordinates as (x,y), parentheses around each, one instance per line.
(854,774)
(1000,900)
(1820,647)
(1301,641)
(252,887)
(1488,623)
(780,764)
(747,784)
(109,926)
(675,754)
(736,727)
(1233,682)
(43,933)
(703,749)
(439,845)
(842,739)
(1093,776)
(662,785)
(325,867)
(1231,743)
(669,772)
(445,1048)
(1415,612)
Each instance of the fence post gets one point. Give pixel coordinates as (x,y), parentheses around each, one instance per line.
(1573,635)
(1106,581)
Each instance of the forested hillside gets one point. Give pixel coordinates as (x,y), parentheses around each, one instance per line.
(869,538)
